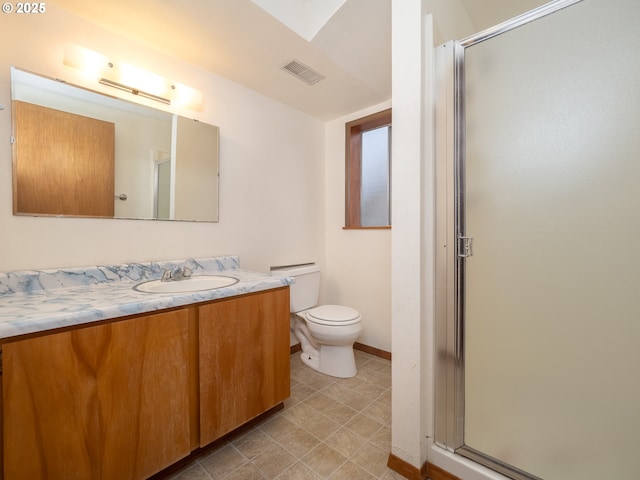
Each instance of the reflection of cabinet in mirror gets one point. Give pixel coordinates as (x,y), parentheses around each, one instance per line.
(63,163)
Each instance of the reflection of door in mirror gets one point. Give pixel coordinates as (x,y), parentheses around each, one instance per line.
(196,146)
(162,186)
(63,163)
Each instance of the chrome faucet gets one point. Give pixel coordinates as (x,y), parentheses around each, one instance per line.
(181,273)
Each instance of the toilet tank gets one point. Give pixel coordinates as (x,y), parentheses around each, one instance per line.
(304,292)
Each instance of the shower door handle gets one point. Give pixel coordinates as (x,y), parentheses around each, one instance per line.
(465,246)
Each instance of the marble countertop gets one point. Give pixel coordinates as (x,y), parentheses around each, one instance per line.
(36,301)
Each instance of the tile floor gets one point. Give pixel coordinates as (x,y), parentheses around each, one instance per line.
(330,428)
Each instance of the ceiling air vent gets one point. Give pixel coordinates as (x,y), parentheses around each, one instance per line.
(301,71)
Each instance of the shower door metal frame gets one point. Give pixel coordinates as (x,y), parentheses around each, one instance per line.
(454,242)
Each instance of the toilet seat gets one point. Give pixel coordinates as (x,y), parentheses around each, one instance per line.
(333,315)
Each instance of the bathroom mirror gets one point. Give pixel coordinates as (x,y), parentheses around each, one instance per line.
(80,153)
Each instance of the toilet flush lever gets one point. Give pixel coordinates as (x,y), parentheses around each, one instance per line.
(465,246)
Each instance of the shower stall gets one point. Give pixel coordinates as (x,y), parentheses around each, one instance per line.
(538,219)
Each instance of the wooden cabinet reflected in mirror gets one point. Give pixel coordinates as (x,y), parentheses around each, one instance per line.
(63,163)
(80,153)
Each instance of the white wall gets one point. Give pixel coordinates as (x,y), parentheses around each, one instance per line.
(410,292)
(358,262)
(450,20)
(414,31)
(272,157)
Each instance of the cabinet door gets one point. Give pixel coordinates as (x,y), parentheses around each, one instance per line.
(64,164)
(104,402)
(244,360)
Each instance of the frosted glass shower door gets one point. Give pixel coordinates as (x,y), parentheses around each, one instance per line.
(552,199)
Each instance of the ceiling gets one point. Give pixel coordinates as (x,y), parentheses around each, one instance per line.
(238,40)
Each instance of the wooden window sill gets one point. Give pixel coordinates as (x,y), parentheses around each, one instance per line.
(382,227)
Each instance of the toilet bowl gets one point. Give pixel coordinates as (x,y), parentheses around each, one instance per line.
(327,334)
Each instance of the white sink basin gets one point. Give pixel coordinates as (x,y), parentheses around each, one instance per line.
(194,284)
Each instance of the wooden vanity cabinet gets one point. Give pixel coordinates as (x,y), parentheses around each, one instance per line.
(126,399)
(101,402)
(243,360)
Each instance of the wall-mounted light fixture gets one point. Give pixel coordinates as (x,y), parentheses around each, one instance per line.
(94,66)
(135,91)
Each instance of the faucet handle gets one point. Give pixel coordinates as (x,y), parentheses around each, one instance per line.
(181,273)
(166,275)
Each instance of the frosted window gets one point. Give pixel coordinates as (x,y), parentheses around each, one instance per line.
(374,191)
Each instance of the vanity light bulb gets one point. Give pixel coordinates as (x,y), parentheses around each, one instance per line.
(91,64)
(187,97)
(140,79)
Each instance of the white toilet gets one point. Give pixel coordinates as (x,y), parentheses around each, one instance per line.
(327,332)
